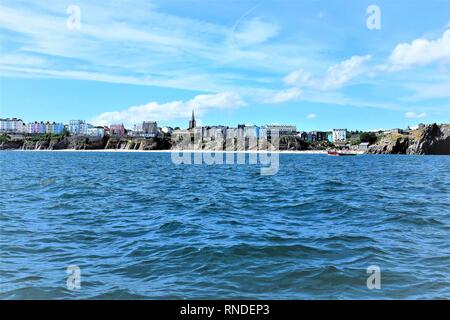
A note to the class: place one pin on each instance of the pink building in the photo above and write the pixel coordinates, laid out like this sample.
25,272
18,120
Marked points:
36,127
117,130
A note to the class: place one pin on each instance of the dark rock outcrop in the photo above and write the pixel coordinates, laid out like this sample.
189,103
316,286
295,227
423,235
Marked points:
11,145
292,143
84,143
136,144
433,139
59,144
430,139
390,145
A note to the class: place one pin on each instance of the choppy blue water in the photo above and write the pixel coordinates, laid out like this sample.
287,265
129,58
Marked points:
139,226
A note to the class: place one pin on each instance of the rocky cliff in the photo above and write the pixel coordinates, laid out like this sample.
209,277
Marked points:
85,143
284,143
46,143
390,144
73,143
138,144
430,139
11,145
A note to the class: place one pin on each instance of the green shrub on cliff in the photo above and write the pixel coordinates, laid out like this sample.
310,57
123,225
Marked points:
370,137
45,137
4,138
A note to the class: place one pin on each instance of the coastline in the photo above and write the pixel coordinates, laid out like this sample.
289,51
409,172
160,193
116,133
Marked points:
428,140
179,151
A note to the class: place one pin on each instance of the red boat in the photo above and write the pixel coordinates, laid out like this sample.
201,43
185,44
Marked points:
340,153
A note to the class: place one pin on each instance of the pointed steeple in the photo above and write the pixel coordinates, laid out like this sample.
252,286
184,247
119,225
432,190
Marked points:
192,123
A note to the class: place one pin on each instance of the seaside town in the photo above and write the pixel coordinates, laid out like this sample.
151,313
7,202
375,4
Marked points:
80,135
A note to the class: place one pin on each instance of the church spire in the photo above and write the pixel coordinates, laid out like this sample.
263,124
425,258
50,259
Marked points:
192,122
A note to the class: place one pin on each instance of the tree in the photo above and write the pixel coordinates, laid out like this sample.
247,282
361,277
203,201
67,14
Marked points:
370,137
65,132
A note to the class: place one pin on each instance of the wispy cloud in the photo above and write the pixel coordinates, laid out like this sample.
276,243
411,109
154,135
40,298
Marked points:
297,78
255,31
414,115
166,50
311,116
284,96
343,72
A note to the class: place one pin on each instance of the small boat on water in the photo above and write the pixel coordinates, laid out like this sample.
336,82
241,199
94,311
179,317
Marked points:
341,153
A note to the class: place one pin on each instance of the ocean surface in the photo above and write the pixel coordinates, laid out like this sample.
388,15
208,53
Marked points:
140,227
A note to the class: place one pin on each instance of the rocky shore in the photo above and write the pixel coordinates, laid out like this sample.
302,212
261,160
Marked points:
142,144
430,139
83,143
75,143
288,143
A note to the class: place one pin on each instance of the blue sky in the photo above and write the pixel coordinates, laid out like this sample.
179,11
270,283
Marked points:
314,64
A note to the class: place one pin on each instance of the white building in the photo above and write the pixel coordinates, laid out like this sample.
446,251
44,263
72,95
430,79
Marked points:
148,129
48,127
363,146
283,130
96,132
339,135
77,127
275,129
13,125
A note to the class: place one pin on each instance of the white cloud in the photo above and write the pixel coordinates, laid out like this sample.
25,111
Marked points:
170,110
297,77
223,100
414,115
335,77
341,73
284,95
420,52
255,31
312,116
167,50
